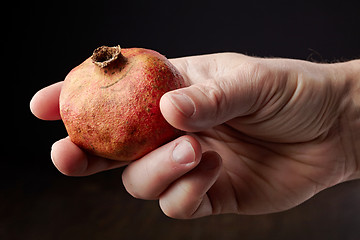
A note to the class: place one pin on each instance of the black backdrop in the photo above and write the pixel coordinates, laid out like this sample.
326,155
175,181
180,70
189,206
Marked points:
47,39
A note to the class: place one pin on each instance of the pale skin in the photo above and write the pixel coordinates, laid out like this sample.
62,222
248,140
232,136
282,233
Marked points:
263,135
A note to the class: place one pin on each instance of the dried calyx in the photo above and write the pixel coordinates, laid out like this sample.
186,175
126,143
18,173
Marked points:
103,56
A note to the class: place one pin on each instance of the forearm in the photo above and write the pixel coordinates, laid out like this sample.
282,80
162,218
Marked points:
355,76
348,74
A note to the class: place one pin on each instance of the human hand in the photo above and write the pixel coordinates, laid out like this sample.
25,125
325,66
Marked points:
285,130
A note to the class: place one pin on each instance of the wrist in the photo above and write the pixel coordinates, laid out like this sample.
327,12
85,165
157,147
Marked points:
347,77
355,77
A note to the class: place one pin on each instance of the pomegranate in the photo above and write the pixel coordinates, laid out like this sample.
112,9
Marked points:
110,103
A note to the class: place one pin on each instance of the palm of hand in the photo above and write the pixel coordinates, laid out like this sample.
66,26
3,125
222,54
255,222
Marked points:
272,162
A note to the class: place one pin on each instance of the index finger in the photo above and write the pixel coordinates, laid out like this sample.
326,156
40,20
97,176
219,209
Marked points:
45,103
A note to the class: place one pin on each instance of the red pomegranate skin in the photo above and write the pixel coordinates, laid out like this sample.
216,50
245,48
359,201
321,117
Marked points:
113,112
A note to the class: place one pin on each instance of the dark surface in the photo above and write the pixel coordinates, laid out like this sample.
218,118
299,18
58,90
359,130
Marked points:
46,40
98,207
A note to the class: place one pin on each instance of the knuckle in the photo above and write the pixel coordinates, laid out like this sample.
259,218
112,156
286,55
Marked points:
214,93
131,189
256,77
173,212
180,202
142,182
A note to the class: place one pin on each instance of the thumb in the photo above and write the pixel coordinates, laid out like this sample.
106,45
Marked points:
204,105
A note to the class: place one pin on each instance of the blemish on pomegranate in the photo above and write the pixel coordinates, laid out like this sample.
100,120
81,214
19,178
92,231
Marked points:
125,74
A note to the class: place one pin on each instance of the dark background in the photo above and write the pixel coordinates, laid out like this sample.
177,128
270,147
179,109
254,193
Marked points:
45,40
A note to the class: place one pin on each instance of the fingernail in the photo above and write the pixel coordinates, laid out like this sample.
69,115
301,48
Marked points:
184,153
183,103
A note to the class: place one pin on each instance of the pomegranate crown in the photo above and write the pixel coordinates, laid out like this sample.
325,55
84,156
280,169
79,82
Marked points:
104,55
